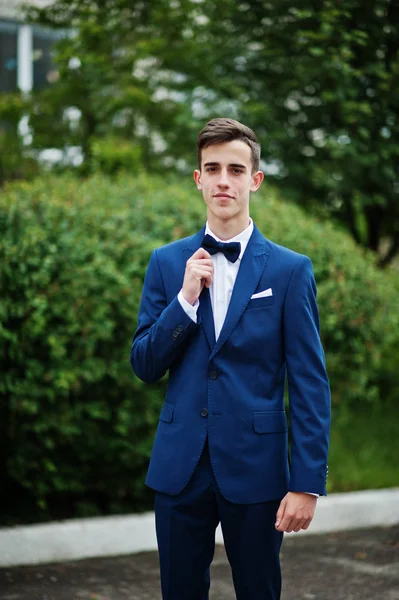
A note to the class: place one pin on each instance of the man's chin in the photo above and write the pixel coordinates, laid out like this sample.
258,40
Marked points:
224,213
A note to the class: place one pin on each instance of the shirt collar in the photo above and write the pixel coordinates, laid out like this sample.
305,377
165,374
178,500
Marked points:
242,237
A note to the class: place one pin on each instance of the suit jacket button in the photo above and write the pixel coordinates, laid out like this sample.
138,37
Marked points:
213,374
204,412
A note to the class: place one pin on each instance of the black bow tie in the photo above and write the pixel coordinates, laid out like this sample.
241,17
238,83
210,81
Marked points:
231,250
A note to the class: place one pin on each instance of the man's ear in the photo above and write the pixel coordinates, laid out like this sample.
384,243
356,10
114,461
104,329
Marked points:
197,178
257,179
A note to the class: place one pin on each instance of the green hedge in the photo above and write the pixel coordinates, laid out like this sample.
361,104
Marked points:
76,426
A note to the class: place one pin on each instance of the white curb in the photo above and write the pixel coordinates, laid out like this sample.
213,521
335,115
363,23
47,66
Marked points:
117,535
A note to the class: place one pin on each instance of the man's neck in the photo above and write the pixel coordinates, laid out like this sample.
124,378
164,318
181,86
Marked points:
226,230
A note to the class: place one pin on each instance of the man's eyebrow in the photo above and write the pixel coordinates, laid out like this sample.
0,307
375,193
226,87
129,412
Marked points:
216,164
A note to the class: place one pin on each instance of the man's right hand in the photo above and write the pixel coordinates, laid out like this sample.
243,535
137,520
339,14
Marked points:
199,272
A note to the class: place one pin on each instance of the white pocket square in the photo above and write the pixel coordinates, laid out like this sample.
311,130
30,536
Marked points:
263,294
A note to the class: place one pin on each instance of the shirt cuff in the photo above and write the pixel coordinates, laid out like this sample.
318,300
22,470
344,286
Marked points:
189,309
312,494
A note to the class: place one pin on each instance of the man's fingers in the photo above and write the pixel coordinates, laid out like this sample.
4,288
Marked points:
295,512
200,253
289,521
289,524
280,513
199,262
203,274
306,524
285,524
300,525
199,272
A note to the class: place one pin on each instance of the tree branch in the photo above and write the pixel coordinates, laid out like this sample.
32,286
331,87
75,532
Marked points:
350,219
391,253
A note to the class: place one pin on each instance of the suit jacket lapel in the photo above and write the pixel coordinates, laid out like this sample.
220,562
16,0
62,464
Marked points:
252,266
205,307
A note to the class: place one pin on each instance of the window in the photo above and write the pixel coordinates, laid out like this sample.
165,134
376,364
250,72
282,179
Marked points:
26,56
44,71
8,56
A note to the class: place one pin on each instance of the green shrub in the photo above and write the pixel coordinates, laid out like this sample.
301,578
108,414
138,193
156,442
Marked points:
76,426
112,154
15,159
359,312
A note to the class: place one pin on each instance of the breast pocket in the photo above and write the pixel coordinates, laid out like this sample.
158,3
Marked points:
260,302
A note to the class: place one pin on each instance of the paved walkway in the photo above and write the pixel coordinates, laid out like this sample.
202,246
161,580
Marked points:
356,565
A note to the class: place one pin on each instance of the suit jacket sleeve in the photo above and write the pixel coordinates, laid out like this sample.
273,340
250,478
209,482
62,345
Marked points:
309,392
162,328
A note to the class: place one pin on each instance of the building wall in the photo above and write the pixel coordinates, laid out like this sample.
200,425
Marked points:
25,50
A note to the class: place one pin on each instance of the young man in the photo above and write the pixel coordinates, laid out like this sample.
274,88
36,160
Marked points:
228,313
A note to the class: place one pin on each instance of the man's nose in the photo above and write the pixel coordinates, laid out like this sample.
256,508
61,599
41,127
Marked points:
223,179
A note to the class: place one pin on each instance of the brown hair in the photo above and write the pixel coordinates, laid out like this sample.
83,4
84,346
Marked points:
222,130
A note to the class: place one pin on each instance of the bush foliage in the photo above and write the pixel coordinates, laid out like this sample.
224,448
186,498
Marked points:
76,426
317,81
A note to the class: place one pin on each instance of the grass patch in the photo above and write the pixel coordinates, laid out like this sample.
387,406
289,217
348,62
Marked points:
364,450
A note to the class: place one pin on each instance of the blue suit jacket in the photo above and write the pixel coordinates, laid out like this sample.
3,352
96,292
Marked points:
232,389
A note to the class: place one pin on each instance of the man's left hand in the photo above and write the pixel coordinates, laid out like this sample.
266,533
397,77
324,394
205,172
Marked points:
295,512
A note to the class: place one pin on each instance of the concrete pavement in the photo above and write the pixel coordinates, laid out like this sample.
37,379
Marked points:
116,535
350,565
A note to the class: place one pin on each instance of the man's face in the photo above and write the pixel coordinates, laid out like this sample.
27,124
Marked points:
226,180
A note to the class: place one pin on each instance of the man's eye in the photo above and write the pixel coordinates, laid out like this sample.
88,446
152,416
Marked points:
237,171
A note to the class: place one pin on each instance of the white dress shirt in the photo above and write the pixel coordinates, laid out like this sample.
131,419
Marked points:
224,278
221,288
